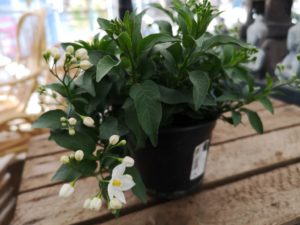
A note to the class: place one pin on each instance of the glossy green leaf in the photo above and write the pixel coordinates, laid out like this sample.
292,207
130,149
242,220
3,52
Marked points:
267,104
139,189
201,83
104,66
50,119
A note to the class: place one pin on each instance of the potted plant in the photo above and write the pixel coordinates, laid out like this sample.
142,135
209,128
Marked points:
161,92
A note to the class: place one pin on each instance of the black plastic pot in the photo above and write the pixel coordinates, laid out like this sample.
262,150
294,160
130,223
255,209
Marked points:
176,166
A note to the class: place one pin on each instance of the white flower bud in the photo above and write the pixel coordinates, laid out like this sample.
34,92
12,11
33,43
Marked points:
85,64
66,190
79,154
63,119
114,139
115,204
71,132
96,203
64,159
128,161
70,49
88,121
81,54
72,121
72,155
87,204
55,53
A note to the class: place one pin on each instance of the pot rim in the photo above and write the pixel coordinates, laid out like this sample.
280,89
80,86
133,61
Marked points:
203,123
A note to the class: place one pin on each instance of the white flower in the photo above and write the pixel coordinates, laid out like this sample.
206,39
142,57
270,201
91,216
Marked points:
96,203
64,159
114,139
119,183
88,121
85,64
71,131
72,121
70,49
81,54
55,53
115,204
66,190
79,154
87,203
128,161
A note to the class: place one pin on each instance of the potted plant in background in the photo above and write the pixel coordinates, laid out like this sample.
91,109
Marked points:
162,93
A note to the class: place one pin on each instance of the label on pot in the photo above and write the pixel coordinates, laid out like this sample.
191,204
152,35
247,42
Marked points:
199,160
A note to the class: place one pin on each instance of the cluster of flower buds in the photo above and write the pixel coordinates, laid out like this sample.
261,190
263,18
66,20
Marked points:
77,155
118,183
69,124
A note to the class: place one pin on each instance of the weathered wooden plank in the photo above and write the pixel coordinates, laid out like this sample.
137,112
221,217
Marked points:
225,162
40,146
265,199
38,171
284,117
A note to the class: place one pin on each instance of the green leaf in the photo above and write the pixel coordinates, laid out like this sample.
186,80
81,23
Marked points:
125,42
267,104
254,120
78,141
166,11
151,40
104,66
57,87
236,118
139,189
201,83
66,173
50,119
104,24
149,111
111,126
173,96
86,81
217,40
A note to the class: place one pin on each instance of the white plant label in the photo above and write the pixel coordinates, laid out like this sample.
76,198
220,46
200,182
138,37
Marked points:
199,160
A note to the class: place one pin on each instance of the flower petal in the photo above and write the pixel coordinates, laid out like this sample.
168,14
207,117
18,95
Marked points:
118,171
120,196
126,183
110,190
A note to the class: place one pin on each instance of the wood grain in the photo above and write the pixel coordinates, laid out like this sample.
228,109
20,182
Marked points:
285,116
229,161
271,198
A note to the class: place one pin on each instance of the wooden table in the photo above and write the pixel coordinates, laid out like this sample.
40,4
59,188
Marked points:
250,180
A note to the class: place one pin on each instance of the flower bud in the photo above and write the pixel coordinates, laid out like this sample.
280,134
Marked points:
71,131
96,203
81,54
55,53
70,49
115,204
85,64
64,159
88,121
79,154
114,139
128,161
122,143
87,204
66,190
72,155
63,119
72,121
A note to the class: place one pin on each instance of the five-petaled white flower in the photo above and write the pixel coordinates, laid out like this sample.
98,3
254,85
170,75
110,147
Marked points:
88,121
119,183
66,190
